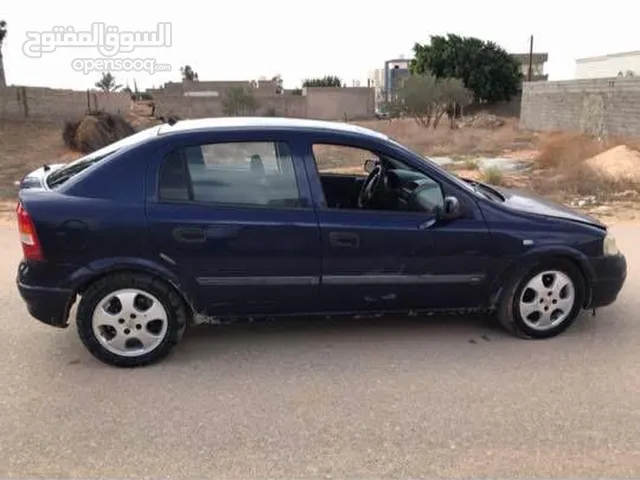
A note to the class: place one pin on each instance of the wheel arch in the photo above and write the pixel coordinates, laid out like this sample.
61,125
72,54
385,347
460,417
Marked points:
88,276
521,264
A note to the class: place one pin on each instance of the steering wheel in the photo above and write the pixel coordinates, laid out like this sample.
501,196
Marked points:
370,186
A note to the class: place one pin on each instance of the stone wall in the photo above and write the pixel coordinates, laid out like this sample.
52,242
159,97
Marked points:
48,104
600,107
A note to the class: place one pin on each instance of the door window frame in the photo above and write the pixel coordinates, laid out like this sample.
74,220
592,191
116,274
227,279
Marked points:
198,139
321,203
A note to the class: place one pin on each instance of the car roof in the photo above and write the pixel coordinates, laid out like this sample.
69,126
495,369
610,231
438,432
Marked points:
266,122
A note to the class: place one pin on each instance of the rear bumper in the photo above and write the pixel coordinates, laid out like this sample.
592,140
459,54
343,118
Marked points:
47,304
610,275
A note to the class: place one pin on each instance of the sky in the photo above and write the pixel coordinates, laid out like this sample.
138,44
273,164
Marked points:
249,39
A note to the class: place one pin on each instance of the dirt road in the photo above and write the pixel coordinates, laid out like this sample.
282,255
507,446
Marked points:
385,398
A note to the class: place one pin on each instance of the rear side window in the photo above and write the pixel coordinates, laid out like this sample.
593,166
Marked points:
240,173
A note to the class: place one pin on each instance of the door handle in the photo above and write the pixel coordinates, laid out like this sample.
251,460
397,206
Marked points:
339,239
189,235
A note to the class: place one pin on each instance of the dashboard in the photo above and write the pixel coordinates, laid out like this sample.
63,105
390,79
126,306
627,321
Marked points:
414,190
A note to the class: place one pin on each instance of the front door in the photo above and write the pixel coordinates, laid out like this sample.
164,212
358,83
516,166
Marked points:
229,214
390,259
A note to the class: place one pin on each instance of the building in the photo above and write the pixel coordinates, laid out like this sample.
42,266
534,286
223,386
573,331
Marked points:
386,80
537,65
625,64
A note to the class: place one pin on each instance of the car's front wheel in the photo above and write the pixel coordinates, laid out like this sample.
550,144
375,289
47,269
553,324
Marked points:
129,320
544,301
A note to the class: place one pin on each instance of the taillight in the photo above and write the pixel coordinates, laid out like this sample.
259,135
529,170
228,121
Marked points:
28,236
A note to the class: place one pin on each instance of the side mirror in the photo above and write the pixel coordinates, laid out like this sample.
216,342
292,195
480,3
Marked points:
451,209
369,165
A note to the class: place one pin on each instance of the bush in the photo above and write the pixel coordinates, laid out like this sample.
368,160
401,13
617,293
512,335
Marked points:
568,150
492,176
69,133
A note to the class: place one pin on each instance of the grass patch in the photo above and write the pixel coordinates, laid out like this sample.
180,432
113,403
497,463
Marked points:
470,165
493,176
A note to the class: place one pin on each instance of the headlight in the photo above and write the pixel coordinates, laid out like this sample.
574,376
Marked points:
609,246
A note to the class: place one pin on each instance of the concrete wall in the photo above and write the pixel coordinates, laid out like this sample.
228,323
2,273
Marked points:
49,104
325,103
317,102
55,105
200,107
598,107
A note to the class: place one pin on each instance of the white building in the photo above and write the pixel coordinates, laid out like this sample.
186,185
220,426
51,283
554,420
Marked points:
626,64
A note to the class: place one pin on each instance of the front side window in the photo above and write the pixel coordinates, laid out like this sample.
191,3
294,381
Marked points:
393,186
240,173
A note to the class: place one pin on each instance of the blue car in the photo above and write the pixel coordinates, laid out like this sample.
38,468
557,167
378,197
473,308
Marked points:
241,217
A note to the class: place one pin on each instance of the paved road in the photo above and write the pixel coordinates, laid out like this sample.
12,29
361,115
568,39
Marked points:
388,398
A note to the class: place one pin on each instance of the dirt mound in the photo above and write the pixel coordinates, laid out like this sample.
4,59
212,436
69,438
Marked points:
95,131
619,164
482,120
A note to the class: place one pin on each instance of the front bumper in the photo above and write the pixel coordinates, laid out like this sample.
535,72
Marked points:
610,274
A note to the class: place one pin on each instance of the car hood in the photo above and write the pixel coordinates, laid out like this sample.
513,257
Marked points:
36,178
526,202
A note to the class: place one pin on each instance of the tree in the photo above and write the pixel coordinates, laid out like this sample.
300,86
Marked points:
427,98
3,34
326,81
238,101
454,96
107,83
188,74
485,68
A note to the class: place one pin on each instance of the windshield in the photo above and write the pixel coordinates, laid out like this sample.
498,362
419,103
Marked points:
63,174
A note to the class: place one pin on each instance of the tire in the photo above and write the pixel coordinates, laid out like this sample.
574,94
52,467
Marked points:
542,319
131,320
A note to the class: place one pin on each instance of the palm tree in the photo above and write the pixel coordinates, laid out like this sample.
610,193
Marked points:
107,83
3,34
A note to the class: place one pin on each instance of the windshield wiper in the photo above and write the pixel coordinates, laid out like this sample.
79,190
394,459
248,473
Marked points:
479,188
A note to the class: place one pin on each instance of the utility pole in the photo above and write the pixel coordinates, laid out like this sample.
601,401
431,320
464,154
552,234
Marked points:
530,59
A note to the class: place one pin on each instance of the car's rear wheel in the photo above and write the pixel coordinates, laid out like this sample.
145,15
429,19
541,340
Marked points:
544,301
130,320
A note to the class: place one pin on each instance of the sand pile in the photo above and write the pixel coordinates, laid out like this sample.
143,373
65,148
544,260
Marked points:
619,163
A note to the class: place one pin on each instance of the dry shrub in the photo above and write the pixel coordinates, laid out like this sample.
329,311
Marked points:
492,176
568,149
95,131
579,181
69,133
562,157
462,141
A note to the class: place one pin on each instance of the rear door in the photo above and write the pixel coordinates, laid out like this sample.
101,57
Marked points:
232,213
